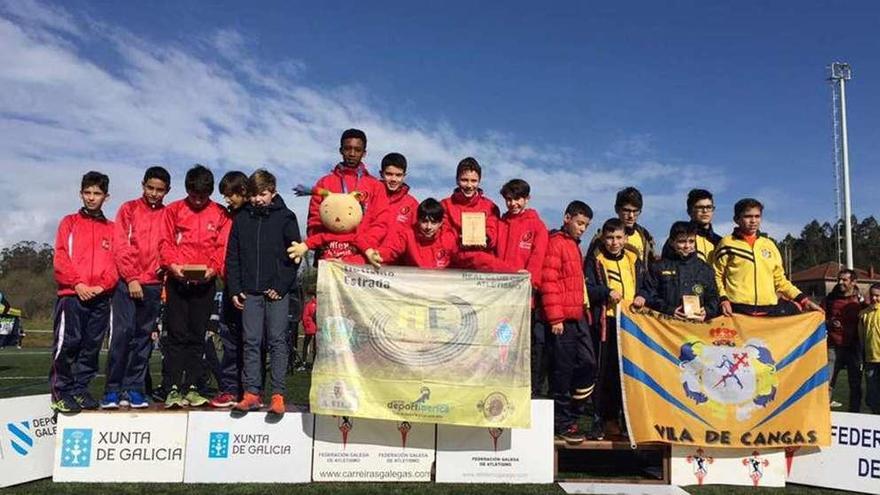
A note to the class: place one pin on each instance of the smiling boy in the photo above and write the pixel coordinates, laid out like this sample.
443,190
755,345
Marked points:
138,295
748,269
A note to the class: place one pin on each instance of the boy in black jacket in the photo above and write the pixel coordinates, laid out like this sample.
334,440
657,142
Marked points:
260,278
680,272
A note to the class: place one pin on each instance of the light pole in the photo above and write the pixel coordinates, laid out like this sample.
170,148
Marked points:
840,73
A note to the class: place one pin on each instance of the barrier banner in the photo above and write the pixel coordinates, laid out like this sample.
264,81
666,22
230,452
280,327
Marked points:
743,382
716,466
255,448
436,346
498,455
355,449
852,462
121,446
27,439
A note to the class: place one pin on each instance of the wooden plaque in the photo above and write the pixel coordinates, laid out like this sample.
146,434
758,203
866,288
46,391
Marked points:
691,307
194,272
473,229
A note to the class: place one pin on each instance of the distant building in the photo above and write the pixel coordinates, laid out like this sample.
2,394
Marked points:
818,281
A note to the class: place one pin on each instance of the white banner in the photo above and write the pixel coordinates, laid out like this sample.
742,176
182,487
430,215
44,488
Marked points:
27,439
120,446
255,448
716,466
498,455
851,463
356,449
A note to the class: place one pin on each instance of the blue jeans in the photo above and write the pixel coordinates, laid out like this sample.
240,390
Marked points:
872,379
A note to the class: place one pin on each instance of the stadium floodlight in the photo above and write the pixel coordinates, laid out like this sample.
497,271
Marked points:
840,73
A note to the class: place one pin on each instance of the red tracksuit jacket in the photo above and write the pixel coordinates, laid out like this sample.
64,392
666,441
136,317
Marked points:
403,206
310,327
522,242
192,237
84,254
454,205
409,248
562,279
376,221
138,228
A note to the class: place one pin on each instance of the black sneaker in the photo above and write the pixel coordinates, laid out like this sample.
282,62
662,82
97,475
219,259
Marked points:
597,430
66,404
86,401
571,435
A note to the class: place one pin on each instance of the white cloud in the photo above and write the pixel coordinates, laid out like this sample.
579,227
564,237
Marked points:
63,112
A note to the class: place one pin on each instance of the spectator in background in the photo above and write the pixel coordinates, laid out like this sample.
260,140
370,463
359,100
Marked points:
842,307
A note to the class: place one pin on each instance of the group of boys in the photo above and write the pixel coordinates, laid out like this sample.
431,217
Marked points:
575,297
118,275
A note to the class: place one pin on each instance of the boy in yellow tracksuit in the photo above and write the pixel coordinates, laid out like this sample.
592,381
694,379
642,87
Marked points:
614,274
869,335
748,269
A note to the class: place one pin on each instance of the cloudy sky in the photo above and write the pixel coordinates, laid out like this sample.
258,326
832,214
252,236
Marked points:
578,98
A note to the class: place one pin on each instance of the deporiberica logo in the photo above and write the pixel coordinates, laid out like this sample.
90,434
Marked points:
724,375
419,408
495,407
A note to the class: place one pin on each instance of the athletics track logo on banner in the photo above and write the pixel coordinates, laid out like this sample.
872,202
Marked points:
729,382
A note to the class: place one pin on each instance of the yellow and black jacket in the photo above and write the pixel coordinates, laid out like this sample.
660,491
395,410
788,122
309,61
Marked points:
707,239
751,274
606,272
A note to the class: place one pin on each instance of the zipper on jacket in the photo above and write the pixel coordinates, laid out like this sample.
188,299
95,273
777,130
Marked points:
755,271
92,268
622,285
257,275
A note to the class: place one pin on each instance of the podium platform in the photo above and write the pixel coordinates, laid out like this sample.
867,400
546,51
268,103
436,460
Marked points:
612,461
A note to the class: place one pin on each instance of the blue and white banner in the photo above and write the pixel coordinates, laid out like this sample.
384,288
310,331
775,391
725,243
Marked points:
27,439
255,448
121,446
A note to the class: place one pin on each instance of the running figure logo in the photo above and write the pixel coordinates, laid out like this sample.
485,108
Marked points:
700,461
731,368
756,465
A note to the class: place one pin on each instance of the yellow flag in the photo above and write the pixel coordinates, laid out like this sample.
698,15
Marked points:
729,382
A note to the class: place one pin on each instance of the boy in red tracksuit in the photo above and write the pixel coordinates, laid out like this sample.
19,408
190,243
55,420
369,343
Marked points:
522,243
86,274
563,297
310,329
401,203
468,197
138,297
431,245
195,232
348,176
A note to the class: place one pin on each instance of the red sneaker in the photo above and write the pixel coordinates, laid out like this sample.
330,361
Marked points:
224,399
250,402
277,406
